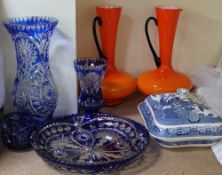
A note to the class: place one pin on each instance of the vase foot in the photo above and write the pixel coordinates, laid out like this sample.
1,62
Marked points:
158,81
113,102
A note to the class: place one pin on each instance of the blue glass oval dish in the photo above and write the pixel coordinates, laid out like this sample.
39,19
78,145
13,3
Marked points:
99,143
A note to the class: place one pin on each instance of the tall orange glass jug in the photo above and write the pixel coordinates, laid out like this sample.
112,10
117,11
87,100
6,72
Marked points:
164,78
116,84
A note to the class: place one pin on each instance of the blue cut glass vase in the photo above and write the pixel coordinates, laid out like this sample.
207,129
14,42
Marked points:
90,72
34,91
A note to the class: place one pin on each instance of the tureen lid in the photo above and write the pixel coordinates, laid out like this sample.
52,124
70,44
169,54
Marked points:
181,109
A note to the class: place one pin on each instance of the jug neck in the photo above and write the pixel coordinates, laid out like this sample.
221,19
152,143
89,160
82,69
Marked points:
167,18
108,31
166,68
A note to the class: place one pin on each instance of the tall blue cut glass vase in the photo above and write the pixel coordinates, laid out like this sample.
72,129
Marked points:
34,91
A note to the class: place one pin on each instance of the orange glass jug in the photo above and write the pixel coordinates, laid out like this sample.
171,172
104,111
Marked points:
116,84
164,78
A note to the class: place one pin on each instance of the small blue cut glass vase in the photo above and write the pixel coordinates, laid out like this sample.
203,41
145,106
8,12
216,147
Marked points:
34,91
90,72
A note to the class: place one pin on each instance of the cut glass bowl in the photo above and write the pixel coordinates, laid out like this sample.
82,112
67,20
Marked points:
99,143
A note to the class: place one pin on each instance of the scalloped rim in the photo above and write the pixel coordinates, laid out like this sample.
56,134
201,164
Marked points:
16,22
102,65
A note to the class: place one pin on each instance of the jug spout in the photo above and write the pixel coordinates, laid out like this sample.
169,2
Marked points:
169,7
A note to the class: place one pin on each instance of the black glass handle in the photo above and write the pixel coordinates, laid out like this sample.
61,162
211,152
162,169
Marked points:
99,20
156,58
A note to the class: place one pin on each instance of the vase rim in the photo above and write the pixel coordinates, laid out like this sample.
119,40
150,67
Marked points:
31,21
168,7
90,58
108,7
85,63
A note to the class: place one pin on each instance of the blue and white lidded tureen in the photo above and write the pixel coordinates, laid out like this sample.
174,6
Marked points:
181,119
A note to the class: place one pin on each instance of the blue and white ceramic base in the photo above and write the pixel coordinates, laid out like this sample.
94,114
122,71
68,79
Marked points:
199,143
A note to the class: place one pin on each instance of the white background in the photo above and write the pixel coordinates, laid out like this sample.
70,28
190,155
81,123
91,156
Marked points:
62,48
